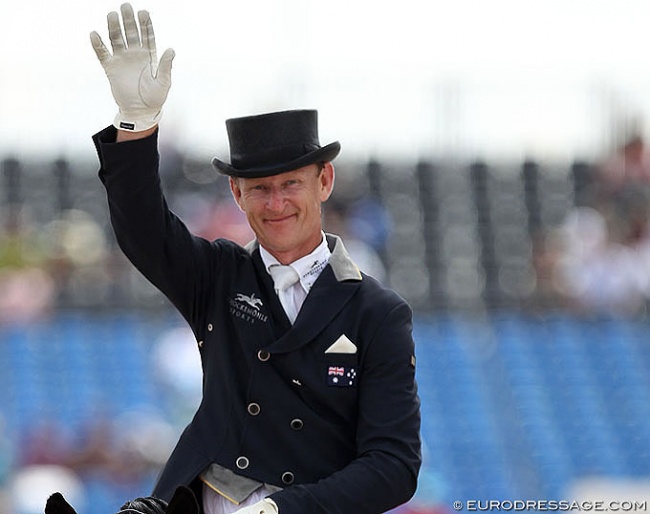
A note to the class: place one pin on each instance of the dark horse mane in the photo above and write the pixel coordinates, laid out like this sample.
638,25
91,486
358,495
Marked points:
148,505
183,502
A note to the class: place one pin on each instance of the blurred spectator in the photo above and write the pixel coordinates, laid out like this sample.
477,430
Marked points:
337,220
630,164
548,249
213,218
600,273
77,251
598,259
94,450
42,443
623,190
227,221
27,290
123,450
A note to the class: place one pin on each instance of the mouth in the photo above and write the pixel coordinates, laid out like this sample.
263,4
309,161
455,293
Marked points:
280,220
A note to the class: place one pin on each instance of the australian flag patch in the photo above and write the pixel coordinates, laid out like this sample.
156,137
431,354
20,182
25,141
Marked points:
341,376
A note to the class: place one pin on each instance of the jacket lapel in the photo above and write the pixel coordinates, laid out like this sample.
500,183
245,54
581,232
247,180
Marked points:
333,289
257,313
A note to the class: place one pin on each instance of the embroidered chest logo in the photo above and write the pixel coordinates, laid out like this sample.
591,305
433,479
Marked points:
247,308
255,303
341,376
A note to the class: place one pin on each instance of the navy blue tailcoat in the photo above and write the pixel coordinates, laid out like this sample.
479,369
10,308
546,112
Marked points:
337,431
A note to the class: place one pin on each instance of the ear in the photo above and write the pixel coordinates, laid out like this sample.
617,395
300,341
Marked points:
183,502
236,191
56,504
326,179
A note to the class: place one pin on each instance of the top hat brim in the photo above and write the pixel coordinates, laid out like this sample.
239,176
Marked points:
324,154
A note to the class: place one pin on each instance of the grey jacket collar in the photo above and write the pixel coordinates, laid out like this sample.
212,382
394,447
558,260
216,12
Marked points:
342,264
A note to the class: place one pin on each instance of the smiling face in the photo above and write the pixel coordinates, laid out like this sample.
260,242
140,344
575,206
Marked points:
284,210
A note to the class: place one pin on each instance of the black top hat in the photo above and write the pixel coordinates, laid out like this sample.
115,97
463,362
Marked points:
269,144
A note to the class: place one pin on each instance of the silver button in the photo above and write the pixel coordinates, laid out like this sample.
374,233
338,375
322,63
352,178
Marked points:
297,424
210,327
242,462
287,477
254,408
263,355
200,344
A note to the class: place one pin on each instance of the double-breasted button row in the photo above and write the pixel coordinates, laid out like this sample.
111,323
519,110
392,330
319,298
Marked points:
254,409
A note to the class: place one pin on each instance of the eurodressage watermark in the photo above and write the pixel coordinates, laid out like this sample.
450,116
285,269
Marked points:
552,505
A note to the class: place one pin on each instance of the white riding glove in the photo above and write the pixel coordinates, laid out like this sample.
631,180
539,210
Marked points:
138,81
266,506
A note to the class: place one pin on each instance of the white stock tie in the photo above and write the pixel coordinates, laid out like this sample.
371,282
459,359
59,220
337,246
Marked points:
284,277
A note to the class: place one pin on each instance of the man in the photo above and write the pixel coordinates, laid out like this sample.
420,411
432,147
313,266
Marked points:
309,395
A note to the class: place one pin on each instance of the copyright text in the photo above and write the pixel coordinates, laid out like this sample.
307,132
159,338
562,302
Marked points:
552,505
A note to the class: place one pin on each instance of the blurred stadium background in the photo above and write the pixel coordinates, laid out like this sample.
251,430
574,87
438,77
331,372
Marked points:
497,178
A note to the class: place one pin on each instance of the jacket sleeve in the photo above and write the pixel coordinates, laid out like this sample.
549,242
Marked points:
150,235
384,473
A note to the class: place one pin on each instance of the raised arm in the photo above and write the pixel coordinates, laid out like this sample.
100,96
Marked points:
157,242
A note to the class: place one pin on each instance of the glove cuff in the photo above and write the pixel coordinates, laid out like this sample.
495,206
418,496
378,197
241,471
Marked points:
136,123
272,504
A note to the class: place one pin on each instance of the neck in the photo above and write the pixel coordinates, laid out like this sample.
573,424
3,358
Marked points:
289,256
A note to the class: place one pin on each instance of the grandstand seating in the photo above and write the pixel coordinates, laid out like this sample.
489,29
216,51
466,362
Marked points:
513,406
461,236
520,407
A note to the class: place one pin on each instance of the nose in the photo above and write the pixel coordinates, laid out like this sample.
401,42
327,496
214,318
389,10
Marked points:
275,200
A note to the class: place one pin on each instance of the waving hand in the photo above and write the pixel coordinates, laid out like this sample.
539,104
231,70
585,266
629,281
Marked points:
139,82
